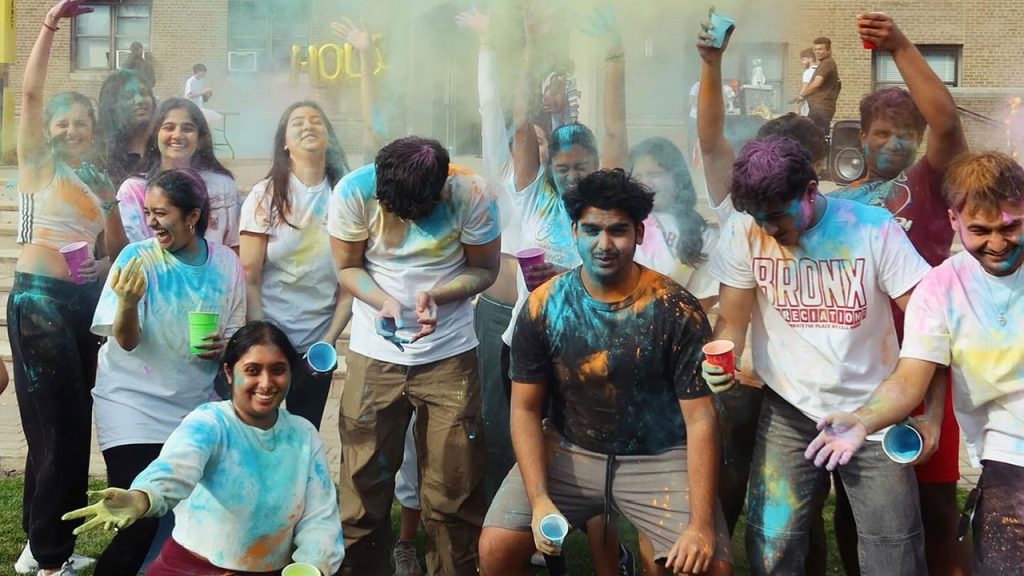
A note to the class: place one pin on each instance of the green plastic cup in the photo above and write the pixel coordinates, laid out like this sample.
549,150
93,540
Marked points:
300,569
201,325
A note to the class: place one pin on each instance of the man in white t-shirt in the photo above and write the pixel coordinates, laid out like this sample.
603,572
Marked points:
817,276
965,314
414,239
195,86
810,65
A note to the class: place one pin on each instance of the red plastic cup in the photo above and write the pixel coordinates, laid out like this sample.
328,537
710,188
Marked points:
868,44
720,353
74,254
528,258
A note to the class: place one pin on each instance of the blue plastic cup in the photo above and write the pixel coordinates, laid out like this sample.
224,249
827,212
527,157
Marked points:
902,443
720,26
554,527
321,358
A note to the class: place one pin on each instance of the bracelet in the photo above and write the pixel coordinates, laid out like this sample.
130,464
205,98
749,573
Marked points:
51,28
861,422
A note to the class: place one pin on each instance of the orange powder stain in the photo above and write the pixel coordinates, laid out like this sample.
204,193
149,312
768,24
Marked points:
264,547
595,366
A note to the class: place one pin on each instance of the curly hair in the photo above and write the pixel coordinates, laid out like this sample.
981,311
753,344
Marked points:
691,224
799,128
203,159
186,191
411,173
281,168
610,190
769,173
893,104
258,333
983,180
116,129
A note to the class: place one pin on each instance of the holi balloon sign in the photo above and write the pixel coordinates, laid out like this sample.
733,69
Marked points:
328,64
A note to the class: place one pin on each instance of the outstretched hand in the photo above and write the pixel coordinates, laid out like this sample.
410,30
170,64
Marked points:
98,182
708,35
129,283
68,9
475,20
358,36
840,436
118,509
602,26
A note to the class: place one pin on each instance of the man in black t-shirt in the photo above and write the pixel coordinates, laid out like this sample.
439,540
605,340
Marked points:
617,347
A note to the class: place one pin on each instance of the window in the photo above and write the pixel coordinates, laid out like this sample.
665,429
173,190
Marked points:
110,28
261,32
944,60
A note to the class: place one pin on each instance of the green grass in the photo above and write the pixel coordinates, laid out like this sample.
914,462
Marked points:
12,539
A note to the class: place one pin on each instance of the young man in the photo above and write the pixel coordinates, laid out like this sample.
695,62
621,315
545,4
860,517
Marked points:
823,91
893,123
817,275
965,314
414,240
195,86
620,347
810,65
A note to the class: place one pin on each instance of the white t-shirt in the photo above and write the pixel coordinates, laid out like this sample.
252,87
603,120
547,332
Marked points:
545,224
405,258
808,75
300,287
497,157
225,204
823,335
194,85
659,253
952,320
142,395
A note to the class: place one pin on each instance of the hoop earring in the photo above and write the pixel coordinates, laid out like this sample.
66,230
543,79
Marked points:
192,228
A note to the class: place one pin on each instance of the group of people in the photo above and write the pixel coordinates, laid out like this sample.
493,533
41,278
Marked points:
488,395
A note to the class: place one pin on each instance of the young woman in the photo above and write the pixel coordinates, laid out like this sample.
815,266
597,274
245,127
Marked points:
221,471
62,200
677,239
181,139
285,249
148,378
126,108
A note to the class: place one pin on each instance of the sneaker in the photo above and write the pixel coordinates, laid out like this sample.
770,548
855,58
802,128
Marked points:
627,566
66,570
404,557
27,564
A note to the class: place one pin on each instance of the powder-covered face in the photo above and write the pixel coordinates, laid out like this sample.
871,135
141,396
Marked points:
571,166
992,236
71,133
658,179
787,223
606,241
177,139
135,102
889,149
170,225
259,384
306,130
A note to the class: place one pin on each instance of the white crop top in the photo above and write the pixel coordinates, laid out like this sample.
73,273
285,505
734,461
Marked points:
64,211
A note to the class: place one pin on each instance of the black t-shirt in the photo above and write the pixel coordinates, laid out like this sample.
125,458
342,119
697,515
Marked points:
615,371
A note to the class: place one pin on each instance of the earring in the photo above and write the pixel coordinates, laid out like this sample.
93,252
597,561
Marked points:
192,228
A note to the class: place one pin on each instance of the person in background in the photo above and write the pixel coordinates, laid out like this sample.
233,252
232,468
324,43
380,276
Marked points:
181,140
286,251
195,86
143,66
823,90
221,471
126,108
149,378
810,66
63,198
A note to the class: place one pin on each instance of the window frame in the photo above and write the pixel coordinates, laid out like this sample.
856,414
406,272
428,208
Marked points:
112,36
955,50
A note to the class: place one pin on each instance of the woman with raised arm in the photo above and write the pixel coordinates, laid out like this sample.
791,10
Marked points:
65,203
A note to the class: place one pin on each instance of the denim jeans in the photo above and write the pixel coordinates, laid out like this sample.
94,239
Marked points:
787,491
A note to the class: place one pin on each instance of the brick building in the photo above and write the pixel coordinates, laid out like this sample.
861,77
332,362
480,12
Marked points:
429,84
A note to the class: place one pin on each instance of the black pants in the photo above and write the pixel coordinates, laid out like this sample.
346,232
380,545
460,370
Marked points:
308,393
48,323
822,120
490,319
127,551
999,519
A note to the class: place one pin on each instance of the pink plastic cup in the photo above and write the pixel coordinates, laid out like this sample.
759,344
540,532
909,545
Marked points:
720,353
528,258
74,254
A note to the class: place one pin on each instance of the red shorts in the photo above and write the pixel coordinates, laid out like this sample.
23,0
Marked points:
944,465
176,560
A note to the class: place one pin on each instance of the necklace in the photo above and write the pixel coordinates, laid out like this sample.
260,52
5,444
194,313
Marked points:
1001,318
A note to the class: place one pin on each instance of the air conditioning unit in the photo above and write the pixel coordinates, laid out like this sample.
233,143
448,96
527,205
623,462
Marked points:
247,61
121,58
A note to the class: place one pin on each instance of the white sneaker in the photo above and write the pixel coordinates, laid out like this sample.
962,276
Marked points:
66,570
27,564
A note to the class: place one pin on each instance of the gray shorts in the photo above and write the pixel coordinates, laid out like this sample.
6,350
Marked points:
652,492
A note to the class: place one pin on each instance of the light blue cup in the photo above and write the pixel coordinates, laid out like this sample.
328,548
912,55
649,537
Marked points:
720,26
321,358
554,527
902,443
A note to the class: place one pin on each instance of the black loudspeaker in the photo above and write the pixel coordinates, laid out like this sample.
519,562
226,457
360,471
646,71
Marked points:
845,157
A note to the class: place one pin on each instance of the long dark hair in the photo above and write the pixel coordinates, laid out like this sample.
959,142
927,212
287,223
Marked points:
203,159
563,139
256,333
115,130
280,169
690,248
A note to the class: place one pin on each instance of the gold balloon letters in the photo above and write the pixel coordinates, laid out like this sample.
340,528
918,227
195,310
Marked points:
329,64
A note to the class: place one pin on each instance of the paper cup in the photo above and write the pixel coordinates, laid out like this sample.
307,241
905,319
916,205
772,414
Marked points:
902,443
720,26
720,353
554,527
529,258
300,569
201,325
74,254
321,358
